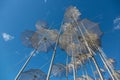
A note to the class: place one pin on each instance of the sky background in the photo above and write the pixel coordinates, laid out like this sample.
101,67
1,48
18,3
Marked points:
18,15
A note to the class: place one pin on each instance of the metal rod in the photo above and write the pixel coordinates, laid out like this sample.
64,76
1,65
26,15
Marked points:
98,69
53,56
29,58
67,68
106,66
74,70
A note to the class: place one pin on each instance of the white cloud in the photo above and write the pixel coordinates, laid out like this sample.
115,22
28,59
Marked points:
7,37
116,23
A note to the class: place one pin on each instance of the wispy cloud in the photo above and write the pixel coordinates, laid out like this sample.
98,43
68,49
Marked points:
116,23
7,37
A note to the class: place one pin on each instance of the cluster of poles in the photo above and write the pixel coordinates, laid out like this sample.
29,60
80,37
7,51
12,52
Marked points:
80,39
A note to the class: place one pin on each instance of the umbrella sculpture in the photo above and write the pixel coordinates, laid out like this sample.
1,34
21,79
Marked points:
41,25
33,74
71,12
35,40
46,39
80,25
26,38
58,70
69,35
80,39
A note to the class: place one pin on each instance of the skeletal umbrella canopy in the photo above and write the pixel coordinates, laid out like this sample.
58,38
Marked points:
91,32
93,41
80,60
33,74
67,37
111,62
73,49
44,40
71,14
69,67
59,70
72,65
41,25
26,38
91,27
68,27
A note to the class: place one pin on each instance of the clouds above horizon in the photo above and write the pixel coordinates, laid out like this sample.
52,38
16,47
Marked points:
7,37
116,23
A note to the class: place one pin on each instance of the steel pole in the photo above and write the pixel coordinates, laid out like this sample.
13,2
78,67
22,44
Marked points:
27,61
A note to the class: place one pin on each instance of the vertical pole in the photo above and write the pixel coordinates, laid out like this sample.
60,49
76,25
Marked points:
67,68
29,58
53,56
98,69
106,66
74,71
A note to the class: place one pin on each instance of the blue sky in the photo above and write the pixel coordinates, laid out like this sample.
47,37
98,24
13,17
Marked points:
19,15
